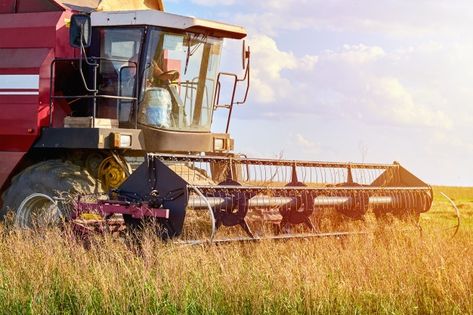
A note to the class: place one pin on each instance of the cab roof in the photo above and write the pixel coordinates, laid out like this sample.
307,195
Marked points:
168,20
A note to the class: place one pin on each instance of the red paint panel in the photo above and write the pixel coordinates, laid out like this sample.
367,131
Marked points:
21,58
13,100
30,20
31,30
19,71
25,6
28,44
24,37
63,48
17,143
7,6
18,120
37,6
8,162
35,30
19,91
44,90
22,115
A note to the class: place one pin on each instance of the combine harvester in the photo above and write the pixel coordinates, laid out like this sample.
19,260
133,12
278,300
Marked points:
86,88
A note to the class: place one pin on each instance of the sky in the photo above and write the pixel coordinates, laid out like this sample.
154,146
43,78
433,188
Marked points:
359,81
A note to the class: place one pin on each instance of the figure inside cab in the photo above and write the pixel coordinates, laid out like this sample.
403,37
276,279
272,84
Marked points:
161,101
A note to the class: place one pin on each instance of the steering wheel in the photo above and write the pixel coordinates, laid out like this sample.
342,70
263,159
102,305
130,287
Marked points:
170,75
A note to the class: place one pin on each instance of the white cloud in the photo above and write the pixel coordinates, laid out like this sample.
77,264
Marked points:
395,74
402,18
357,80
391,100
357,54
268,64
303,142
451,143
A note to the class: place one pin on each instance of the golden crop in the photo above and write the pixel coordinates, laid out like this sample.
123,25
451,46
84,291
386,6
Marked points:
387,272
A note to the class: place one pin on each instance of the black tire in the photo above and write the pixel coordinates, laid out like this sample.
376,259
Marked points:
33,194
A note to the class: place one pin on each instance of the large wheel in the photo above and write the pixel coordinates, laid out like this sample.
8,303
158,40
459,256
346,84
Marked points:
35,195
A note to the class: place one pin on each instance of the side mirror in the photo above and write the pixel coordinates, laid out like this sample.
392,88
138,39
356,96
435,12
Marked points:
80,31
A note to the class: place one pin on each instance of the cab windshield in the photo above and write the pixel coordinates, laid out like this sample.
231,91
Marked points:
179,81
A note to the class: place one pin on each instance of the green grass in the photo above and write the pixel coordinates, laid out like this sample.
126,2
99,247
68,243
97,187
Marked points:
442,212
386,273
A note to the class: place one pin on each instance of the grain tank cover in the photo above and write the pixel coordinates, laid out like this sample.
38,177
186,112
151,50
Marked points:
120,5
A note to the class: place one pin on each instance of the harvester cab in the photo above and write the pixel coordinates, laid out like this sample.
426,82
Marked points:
154,72
141,87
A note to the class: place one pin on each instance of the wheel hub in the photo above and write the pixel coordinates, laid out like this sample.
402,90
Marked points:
38,211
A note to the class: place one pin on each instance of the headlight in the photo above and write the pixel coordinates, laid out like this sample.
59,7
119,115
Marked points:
121,140
219,144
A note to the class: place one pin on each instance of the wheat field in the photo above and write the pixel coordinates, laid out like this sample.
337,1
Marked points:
388,272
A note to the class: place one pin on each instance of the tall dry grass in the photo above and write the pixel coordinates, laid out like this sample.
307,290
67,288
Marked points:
388,272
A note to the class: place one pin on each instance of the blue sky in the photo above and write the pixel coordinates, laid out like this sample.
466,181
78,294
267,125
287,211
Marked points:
373,81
